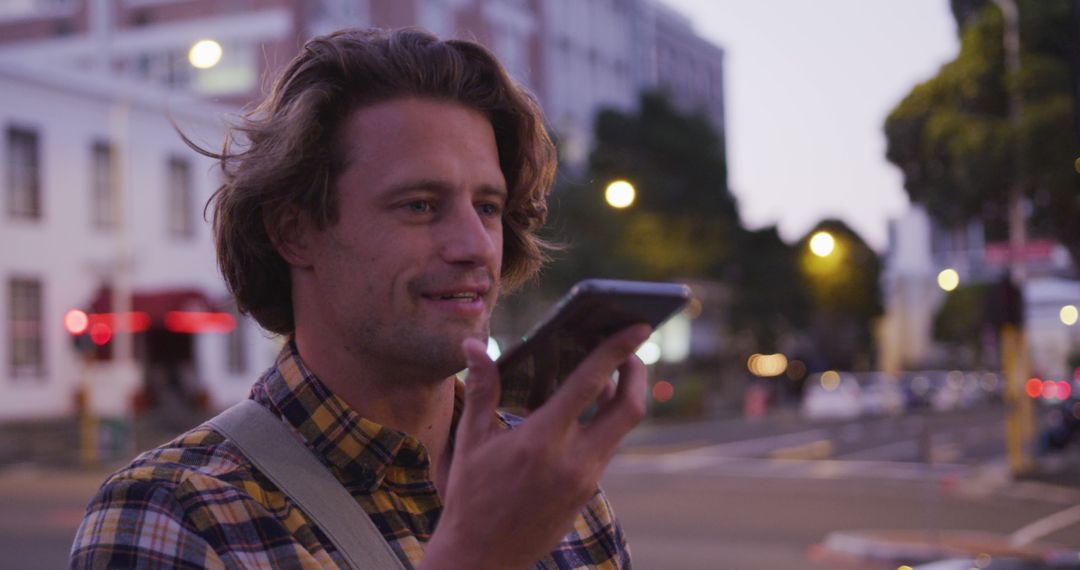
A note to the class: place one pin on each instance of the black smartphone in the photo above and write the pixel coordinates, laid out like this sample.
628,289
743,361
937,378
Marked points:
593,310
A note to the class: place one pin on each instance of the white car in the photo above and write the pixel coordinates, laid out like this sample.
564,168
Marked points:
832,396
882,398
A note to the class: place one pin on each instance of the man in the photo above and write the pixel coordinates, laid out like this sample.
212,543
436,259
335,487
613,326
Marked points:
381,198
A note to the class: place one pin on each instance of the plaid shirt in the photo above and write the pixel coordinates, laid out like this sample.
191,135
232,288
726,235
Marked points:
196,502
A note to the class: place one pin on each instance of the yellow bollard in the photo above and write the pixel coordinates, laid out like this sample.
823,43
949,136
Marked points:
1019,408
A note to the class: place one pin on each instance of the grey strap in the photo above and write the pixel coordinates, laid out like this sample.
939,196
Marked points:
274,450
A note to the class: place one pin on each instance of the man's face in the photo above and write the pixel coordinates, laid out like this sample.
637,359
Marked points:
412,266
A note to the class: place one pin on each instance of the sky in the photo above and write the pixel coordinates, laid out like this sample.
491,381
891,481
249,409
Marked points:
808,86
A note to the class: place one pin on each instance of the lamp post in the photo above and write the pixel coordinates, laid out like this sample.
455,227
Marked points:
1019,420
109,393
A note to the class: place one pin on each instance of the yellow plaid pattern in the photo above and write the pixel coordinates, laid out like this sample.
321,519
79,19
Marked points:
196,502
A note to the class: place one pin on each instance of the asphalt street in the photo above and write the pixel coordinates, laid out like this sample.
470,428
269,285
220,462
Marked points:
770,494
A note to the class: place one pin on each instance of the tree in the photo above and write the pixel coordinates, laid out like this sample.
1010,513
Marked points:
963,318
771,297
845,295
953,141
683,222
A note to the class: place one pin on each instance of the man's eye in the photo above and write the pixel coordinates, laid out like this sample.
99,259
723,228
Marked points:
489,209
419,206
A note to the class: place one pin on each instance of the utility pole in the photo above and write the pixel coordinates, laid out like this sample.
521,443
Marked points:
1019,419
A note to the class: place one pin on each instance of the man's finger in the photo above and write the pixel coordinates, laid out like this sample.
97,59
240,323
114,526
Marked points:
481,394
587,382
625,409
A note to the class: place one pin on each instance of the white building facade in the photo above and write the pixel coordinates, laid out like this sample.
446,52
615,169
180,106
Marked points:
578,56
95,180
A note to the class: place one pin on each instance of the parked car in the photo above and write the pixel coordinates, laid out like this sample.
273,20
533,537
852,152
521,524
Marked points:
882,398
832,396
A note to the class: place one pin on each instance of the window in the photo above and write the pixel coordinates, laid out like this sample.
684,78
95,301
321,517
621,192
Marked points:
24,174
36,8
236,346
180,200
103,186
25,329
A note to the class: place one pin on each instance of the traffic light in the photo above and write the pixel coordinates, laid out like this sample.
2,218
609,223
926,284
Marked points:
1005,303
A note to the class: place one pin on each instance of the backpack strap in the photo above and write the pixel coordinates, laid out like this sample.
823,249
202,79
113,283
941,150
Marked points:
273,449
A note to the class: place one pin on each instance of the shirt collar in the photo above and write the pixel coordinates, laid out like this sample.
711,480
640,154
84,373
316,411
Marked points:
359,451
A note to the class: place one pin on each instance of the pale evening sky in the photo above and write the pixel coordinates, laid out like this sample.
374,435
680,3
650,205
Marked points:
808,86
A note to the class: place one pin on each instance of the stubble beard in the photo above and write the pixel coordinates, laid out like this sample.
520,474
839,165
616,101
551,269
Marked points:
418,351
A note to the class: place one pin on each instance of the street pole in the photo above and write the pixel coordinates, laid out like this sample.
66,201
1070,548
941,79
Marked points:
1019,419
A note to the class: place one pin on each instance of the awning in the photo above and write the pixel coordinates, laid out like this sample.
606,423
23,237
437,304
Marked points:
156,303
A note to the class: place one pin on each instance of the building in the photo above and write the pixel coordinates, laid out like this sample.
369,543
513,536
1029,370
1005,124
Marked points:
576,55
603,53
919,249
87,88
101,192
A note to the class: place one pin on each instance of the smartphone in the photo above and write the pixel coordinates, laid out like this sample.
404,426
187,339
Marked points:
593,310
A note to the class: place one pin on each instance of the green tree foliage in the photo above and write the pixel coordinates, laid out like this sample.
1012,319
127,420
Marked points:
962,317
953,140
845,295
684,224
771,293
684,220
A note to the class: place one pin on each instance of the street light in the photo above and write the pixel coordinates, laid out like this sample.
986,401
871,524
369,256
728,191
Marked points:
1019,419
204,54
125,373
948,279
822,244
620,194
1069,315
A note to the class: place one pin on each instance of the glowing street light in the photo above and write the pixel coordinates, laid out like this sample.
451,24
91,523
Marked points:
1069,315
948,279
205,54
620,194
822,244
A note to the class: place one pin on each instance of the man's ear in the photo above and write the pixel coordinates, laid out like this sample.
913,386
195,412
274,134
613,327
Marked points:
292,234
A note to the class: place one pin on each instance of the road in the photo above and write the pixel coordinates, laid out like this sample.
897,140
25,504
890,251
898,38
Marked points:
766,495
720,494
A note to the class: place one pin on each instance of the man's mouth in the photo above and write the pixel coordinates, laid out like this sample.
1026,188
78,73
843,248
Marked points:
465,297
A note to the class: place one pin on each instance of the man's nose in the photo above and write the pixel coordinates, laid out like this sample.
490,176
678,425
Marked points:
467,238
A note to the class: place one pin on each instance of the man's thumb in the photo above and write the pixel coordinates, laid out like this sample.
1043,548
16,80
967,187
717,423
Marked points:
481,392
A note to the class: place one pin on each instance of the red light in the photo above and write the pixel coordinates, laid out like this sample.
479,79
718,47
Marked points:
1049,389
1064,390
1033,387
100,333
193,322
76,322
127,322
663,391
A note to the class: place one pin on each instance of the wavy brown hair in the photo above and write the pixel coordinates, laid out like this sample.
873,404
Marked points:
285,155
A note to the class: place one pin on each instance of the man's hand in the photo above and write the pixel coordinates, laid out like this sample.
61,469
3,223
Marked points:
513,494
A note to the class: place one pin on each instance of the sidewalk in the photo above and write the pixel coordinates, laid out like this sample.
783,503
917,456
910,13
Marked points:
56,443
1060,469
